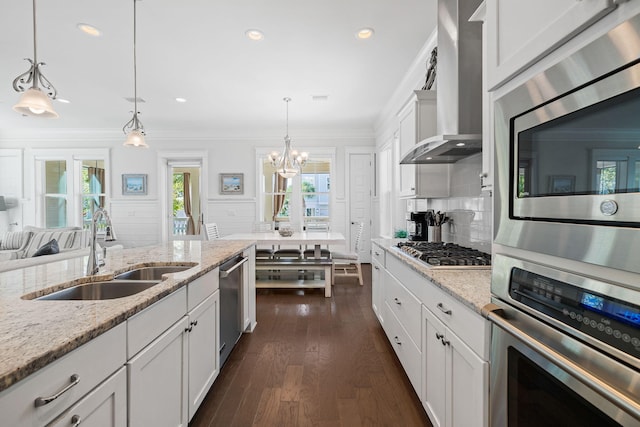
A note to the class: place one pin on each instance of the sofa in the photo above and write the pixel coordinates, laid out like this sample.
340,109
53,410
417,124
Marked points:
22,245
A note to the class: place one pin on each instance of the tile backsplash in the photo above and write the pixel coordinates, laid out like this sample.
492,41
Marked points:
469,209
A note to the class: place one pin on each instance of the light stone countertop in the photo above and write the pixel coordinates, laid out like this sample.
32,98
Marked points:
471,287
35,333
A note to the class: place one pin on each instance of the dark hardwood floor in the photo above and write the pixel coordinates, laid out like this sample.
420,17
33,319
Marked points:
313,361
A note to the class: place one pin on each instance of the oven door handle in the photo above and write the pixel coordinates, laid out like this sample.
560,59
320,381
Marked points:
493,313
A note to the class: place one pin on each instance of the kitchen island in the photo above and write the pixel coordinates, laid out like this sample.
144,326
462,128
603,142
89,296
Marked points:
35,332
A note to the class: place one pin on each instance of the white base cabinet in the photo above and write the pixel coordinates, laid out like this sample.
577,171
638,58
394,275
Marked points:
377,281
105,406
204,359
158,381
454,377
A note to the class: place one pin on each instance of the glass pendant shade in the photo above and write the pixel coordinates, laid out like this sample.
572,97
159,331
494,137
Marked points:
35,102
135,138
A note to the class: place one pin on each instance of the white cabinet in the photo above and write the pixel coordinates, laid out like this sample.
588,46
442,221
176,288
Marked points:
417,121
105,406
454,377
71,378
520,32
204,358
158,380
377,281
248,291
171,375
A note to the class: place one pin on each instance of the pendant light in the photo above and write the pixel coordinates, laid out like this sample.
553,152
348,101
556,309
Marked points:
134,128
35,102
290,162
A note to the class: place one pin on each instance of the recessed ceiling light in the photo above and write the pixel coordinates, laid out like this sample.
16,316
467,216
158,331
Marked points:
429,158
365,33
181,100
460,144
255,35
64,101
89,29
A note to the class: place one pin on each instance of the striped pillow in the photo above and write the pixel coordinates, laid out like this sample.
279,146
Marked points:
12,240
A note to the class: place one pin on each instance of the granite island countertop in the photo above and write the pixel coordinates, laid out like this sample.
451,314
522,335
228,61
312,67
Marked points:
471,287
35,333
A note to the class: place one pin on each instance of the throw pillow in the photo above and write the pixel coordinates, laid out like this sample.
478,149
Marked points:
11,240
49,248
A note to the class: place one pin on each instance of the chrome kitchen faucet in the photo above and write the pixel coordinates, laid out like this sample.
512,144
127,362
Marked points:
95,262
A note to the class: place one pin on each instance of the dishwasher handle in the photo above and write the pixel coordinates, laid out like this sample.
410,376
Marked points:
226,273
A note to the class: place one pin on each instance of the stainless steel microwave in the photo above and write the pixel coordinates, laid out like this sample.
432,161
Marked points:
567,156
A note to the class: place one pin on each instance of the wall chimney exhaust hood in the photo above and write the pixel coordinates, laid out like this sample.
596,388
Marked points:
459,88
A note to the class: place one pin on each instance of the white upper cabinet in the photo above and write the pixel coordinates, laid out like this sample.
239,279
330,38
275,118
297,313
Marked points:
520,32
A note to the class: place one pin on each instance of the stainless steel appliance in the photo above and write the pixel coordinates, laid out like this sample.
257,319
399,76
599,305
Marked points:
565,348
567,158
230,285
440,255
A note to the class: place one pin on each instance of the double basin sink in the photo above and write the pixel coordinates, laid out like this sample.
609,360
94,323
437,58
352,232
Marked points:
122,285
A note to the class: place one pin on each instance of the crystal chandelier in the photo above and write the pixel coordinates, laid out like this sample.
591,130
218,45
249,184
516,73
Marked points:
34,102
134,128
290,162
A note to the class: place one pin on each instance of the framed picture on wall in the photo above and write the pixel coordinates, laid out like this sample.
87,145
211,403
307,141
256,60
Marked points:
231,183
134,184
562,184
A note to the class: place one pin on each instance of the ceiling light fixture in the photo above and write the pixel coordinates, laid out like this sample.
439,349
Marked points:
181,100
35,102
290,162
89,29
365,33
255,35
134,128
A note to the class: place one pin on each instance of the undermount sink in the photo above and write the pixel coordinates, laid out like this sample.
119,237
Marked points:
110,289
151,273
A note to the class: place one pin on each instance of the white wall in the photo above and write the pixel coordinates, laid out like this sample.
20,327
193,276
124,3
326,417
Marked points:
137,219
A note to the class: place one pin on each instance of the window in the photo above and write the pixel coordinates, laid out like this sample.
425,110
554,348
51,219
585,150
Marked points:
70,186
304,199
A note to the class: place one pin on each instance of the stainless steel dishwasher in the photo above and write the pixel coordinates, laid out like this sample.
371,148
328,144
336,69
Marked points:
230,285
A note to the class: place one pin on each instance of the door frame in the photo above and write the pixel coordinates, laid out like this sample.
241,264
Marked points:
164,158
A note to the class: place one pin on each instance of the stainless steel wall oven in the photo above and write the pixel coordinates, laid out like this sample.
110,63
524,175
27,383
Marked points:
565,344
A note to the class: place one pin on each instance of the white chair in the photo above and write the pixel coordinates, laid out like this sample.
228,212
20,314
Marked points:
211,231
348,264
317,227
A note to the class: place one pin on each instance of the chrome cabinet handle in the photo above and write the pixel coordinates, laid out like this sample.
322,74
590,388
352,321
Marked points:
445,342
397,340
76,420
439,336
397,301
194,323
443,309
41,401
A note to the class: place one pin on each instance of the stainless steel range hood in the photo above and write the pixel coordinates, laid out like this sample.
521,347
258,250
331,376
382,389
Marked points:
459,86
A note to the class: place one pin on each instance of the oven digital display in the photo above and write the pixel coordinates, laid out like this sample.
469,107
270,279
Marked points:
610,320
612,309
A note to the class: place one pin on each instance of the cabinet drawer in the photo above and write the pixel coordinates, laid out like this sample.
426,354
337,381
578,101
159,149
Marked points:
202,287
408,353
145,326
405,306
472,328
378,254
92,362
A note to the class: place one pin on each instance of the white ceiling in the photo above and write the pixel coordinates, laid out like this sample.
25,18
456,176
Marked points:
196,49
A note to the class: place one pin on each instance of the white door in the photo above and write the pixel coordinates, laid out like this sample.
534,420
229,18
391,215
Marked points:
360,179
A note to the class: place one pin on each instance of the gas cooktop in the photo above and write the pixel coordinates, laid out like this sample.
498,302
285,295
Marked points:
446,255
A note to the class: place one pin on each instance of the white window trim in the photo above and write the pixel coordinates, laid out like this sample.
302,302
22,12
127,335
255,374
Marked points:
318,152
73,158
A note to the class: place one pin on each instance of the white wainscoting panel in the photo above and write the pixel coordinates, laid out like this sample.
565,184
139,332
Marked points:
136,222
232,216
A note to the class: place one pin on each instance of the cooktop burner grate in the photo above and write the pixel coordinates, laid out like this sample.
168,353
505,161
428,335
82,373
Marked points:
446,254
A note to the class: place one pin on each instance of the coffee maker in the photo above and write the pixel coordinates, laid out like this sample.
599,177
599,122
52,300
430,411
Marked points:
417,225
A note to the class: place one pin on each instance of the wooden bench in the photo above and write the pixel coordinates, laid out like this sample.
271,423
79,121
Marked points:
300,265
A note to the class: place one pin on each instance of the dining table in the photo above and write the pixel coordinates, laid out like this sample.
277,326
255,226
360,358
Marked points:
274,267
